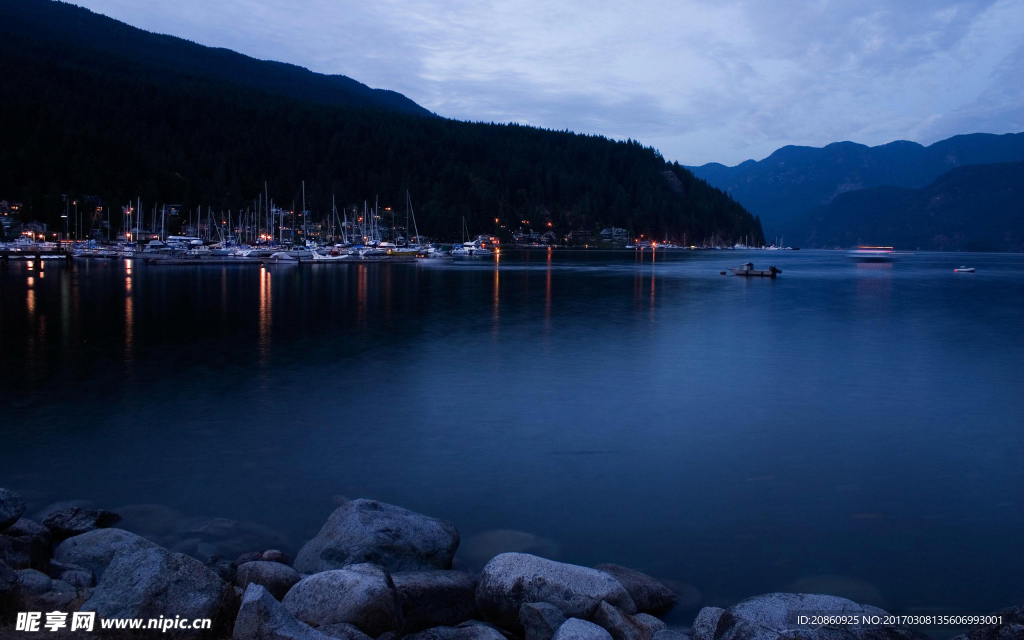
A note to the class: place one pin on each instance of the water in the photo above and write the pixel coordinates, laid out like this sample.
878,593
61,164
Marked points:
854,421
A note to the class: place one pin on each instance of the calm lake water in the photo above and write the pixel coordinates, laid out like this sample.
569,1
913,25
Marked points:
849,427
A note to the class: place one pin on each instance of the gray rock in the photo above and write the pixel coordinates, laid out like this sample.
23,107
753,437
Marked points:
435,598
73,521
480,623
649,622
95,549
222,567
511,579
540,620
771,610
12,506
274,577
347,631
620,625
71,573
649,595
25,528
362,595
32,581
706,622
261,617
474,632
576,629
369,531
154,582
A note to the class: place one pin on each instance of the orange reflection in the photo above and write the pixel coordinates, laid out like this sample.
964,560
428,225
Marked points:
266,310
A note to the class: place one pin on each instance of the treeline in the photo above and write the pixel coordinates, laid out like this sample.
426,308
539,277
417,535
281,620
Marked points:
78,121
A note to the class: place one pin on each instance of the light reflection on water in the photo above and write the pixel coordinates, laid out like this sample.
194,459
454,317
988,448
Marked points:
740,435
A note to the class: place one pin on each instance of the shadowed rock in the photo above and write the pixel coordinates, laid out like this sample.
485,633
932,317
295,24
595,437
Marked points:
649,622
392,537
261,617
620,625
95,550
540,620
12,507
274,577
649,595
362,595
73,521
347,631
473,632
25,545
512,579
706,622
435,598
576,629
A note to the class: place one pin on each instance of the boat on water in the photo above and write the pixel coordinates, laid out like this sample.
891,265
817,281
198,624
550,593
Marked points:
964,269
471,249
748,270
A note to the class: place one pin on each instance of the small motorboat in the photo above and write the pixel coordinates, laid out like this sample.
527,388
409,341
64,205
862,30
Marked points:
964,269
748,270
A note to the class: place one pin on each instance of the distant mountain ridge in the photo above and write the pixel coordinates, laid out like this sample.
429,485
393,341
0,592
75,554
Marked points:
794,179
969,208
55,25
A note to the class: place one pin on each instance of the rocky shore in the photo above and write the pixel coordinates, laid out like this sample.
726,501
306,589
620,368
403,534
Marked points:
374,571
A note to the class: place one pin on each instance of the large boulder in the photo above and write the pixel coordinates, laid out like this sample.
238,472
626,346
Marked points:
540,620
511,579
154,582
649,595
576,629
261,617
392,537
435,598
73,521
12,507
275,577
467,632
361,594
769,617
706,623
94,550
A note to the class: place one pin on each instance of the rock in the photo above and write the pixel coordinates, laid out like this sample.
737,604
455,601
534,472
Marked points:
392,537
540,620
512,579
474,632
360,594
25,528
479,549
248,556
25,545
435,598
32,581
576,629
222,567
95,549
1011,627
71,573
649,622
261,617
153,582
16,552
620,625
671,634
57,506
706,622
73,521
480,623
274,577
12,506
346,631
649,595
275,555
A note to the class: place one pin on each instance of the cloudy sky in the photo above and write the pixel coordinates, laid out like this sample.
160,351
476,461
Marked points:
702,81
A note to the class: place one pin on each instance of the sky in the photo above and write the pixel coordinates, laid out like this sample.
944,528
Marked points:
701,81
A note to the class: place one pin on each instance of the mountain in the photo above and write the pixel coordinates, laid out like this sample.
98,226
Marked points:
794,179
97,107
970,208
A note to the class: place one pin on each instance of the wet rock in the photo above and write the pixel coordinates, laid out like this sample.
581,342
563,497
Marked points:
479,549
12,506
435,598
1010,628
620,625
346,631
649,622
361,594
511,579
649,595
540,620
706,622
275,577
261,617
392,537
154,582
474,632
576,629
95,549
73,521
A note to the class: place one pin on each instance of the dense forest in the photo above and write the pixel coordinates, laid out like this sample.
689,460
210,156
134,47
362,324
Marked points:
118,123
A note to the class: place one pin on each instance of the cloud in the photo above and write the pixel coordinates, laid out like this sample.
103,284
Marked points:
699,80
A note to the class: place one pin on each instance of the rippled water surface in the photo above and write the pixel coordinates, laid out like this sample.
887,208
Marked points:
856,428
